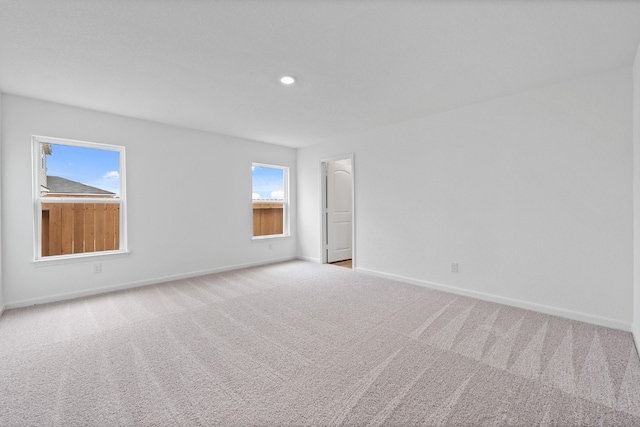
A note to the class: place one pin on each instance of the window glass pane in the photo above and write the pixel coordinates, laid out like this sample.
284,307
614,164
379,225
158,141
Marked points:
75,228
269,200
268,183
67,176
91,167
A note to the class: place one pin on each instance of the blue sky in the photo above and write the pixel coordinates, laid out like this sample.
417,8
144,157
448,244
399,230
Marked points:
90,166
267,183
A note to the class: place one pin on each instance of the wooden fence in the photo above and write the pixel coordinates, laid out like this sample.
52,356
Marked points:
267,219
73,228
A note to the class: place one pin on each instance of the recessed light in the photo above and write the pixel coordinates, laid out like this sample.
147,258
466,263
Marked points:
287,80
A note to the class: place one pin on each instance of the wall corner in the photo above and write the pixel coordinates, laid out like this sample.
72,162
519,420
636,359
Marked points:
635,325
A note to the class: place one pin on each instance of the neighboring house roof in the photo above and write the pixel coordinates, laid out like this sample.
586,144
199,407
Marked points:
57,185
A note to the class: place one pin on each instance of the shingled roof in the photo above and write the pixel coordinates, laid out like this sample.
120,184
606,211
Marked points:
57,185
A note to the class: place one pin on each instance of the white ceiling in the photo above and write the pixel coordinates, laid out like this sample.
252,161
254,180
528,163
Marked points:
215,65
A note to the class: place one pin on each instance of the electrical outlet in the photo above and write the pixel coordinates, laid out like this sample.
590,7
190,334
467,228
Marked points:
97,268
454,267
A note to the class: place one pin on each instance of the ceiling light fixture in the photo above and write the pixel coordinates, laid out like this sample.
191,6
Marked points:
287,80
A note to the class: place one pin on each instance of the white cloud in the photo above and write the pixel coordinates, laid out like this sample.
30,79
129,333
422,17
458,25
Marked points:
278,194
111,175
255,196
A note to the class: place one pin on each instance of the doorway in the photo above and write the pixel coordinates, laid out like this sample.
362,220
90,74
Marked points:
338,211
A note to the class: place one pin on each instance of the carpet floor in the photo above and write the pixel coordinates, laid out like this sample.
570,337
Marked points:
297,344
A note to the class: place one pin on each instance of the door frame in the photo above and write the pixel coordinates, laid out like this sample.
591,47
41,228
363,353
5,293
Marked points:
323,206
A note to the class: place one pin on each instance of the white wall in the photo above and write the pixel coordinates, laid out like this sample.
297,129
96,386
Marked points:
189,204
636,197
531,194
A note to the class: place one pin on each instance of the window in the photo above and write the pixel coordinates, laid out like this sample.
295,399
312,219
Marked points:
79,197
270,195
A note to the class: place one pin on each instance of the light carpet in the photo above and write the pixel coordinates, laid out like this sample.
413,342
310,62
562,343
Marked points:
298,343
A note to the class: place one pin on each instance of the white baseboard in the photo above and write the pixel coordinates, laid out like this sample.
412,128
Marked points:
136,284
554,311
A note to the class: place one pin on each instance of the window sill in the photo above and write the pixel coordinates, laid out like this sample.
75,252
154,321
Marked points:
271,237
77,258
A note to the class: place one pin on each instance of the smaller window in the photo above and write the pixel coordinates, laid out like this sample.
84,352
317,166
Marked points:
270,196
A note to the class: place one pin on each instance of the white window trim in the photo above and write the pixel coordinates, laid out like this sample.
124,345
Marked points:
286,203
37,202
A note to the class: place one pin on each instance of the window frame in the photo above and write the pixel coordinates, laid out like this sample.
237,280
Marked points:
285,202
38,199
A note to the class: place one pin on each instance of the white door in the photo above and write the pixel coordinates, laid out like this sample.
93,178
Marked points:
339,215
